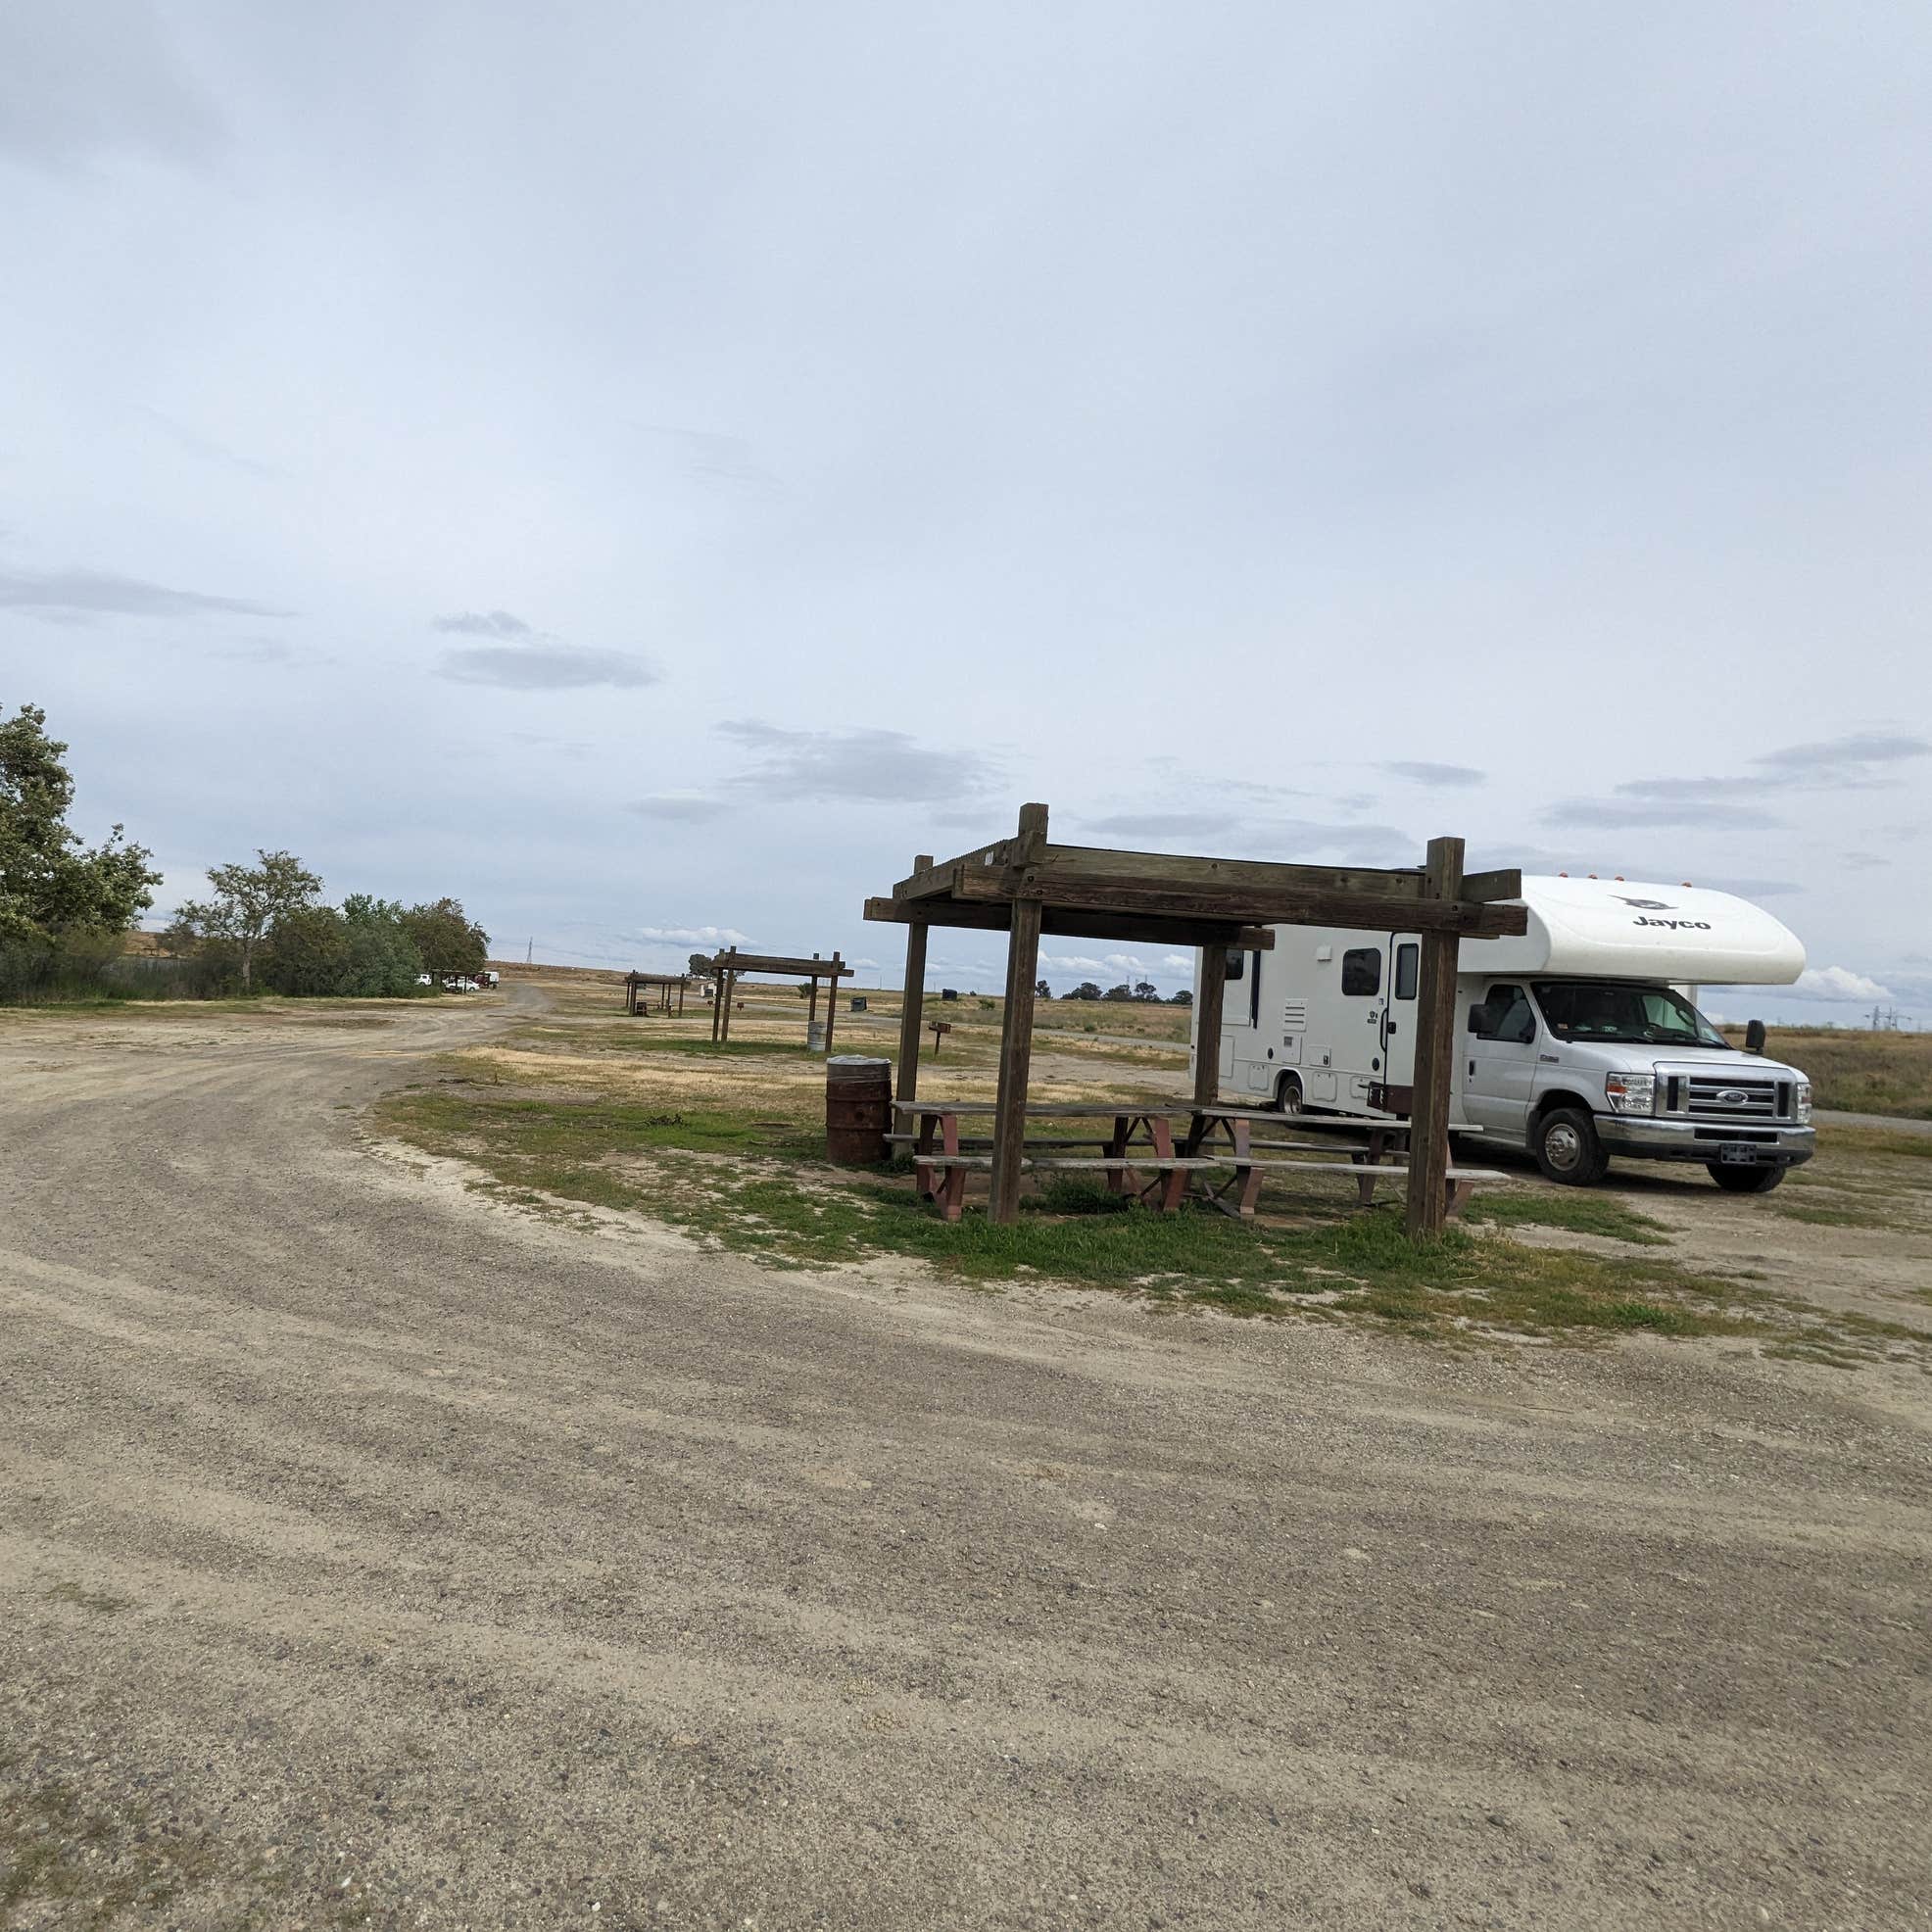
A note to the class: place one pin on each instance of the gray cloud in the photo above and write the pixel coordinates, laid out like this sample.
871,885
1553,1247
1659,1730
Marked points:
486,623
1862,861
545,667
676,806
79,82
858,764
1625,814
1849,760
85,594
206,448
1162,824
1419,771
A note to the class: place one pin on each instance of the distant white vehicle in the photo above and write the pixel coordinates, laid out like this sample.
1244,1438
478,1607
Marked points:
1575,1042
460,983
424,980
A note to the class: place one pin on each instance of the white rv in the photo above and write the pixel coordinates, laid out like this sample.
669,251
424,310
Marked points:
1579,1041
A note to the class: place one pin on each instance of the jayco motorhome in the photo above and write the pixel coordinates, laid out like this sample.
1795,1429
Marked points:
1576,1040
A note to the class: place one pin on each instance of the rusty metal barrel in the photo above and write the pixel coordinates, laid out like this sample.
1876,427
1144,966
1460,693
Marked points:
858,1108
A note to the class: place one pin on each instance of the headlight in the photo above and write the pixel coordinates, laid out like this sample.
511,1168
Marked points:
1804,1100
1630,1094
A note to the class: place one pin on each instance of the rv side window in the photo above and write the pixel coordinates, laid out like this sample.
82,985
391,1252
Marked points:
1361,970
1407,961
1505,1015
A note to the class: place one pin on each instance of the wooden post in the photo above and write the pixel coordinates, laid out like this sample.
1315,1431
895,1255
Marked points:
811,1011
831,1001
1209,1005
912,1011
1009,1121
1435,1052
717,1003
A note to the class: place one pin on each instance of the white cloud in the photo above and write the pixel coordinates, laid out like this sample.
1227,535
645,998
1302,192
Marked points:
1071,962
1177,962
1835,983
695,935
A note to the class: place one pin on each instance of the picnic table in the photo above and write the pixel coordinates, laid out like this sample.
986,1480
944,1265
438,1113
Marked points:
1139,1155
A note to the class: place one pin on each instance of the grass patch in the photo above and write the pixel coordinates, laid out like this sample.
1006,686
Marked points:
773,1198
1579,1213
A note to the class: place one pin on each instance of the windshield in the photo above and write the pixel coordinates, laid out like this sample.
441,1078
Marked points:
1596,1009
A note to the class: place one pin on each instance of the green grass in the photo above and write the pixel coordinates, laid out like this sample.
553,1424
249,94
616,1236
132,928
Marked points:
1579,1213
774,1199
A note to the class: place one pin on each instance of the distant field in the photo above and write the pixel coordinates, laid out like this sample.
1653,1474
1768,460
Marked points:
1861,1073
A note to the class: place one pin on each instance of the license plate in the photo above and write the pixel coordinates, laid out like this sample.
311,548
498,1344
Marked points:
1738,1153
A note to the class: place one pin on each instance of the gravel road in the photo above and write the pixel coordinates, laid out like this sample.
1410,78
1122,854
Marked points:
373,1554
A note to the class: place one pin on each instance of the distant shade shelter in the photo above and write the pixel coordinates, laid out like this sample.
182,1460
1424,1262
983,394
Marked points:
725,969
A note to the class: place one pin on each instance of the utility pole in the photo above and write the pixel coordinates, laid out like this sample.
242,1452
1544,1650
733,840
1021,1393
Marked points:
529,949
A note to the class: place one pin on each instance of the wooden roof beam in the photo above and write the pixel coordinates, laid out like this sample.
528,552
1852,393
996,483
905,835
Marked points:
1357,911
997,917
734,961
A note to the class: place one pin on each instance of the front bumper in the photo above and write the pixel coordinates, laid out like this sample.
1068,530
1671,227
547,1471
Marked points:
1639,1138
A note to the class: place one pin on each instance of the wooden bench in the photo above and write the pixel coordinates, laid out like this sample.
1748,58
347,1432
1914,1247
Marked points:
1169,1188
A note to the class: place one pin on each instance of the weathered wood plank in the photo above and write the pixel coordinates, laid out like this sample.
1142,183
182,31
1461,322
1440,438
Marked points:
1182,872
1435,1047
1505,883
912,1010
1358,912
1009,1131
739,963
1209,1005
996,916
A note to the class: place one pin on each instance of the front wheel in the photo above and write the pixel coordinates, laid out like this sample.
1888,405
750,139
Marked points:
1568,1149
1745,1179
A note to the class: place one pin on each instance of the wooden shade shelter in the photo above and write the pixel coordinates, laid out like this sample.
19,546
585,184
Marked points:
727,967
651,993
1026,886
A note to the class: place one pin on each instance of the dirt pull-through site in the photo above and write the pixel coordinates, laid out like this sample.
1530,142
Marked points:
375,1554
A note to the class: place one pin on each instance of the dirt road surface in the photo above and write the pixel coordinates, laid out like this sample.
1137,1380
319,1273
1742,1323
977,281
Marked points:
373,1554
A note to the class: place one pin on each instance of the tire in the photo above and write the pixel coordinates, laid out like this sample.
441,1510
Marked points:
1568,1151
1745,1179
1289,1097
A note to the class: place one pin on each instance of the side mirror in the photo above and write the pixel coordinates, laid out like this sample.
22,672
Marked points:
1753,1036
1476,1020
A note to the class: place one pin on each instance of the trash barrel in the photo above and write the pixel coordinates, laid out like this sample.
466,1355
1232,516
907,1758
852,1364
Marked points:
815,1037
858,1105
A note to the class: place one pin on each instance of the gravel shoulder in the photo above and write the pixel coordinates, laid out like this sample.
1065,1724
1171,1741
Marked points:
373,1553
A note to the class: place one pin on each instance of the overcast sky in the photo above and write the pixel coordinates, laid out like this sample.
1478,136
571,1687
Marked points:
648,470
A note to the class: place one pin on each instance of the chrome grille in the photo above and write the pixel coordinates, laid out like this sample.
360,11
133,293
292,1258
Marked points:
1707,1097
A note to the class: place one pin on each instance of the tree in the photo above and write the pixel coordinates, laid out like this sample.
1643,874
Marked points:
361,952
1117,992
1145,989
1185,997
51,886
449,945
1041,991
248,900
1086,990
